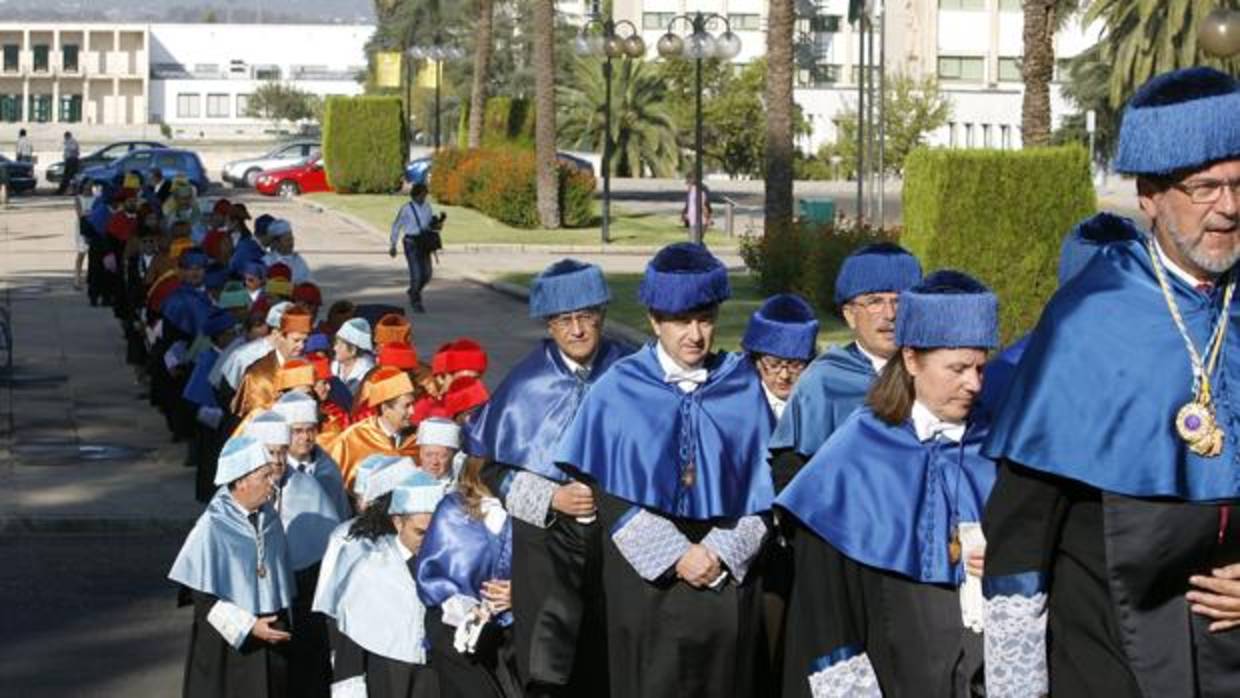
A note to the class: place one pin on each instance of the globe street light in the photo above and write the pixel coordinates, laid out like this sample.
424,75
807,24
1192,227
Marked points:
605,43
439,52
1219,33
699,45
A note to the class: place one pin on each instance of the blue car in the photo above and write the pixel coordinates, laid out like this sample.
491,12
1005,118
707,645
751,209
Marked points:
170,161
419,171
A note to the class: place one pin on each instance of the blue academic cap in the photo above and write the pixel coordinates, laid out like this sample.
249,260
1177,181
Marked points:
565,286
369,465
388,478
218,320
317,342
240,456
1088,237
256,269
948,309
683,276
1181,120
193,258
783,326
261,223
418,494
875,268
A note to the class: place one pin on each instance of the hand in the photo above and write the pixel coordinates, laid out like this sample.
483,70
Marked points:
392,251
498,595
698,566
1217,597
263,631
573,499
975,563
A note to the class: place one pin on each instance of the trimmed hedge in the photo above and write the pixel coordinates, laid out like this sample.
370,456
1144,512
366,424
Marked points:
999,215
502,183
364,144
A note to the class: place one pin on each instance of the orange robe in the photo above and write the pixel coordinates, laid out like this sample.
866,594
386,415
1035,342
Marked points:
334,422
362,439
258,389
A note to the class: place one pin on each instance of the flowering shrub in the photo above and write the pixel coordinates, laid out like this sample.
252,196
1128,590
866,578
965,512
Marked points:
502,183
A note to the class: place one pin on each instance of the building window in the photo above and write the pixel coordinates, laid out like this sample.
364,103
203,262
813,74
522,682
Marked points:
266,72
968,135
656,20
1010,6
41,54
871,79
973,5
10,108
11,51
986,142
1005,137
40,108
217,106
187,106
968,68
744,22
1009,70
71,108
243,105
206,68
69,55
819,76
951,134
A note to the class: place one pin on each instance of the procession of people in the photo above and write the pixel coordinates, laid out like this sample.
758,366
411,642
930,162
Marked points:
921,511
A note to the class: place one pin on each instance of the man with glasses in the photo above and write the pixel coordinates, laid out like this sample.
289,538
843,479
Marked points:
781,339
1112,538
833,385
555,578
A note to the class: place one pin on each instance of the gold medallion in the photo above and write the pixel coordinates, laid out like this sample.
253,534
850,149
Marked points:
688,476
1197,426
954,548
262,571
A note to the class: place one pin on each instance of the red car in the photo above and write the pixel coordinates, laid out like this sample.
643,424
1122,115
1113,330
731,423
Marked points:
305,178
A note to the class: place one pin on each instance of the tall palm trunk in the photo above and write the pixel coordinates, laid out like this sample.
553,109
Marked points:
483,38
1038,69
544,113
781,16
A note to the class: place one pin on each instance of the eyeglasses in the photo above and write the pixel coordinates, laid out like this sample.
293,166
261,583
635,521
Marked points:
775,365
877,304
565,321
1208,191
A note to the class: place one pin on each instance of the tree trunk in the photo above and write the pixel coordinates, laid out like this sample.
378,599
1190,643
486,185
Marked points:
1038,68
544,113
483,39
781,16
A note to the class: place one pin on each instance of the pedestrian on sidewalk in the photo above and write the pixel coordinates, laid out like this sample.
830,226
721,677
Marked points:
25,149
70,153
417,228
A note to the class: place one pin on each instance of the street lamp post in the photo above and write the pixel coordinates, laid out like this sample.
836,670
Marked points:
438,52
699,45
608,45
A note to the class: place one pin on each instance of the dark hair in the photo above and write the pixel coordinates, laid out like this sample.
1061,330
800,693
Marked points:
661,316
374,521
892,395
21,132
417,190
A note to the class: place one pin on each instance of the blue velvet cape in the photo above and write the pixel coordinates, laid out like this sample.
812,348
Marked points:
884,499
220,557
460,553
522,422
832,387
187,309
198,389
635,434
1000,370
308,515
1096,393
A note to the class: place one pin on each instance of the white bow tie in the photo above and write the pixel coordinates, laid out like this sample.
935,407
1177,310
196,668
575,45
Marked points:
949,431
697,375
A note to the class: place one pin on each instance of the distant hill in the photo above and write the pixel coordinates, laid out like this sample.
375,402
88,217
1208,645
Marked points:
240,11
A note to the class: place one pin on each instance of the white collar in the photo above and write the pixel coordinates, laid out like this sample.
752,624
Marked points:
929,426
298,463
1179,271
383,426
404,552
493,514
573,366
877,362
776,403
687,379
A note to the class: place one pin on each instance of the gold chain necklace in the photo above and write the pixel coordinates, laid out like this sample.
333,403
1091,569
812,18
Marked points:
1195,422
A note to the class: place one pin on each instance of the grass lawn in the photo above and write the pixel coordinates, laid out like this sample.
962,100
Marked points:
735,313
467,226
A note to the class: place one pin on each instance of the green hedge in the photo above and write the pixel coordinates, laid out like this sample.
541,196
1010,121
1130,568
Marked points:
506,121
999,215
502,183
364,144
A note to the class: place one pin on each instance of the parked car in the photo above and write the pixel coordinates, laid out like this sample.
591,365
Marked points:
306,178
103,156
418,171
245,172
18,175
171,161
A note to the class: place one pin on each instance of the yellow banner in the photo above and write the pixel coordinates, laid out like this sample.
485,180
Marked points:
387,69
427,74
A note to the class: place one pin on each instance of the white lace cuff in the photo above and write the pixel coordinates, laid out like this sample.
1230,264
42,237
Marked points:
1016,645
232,622
354,687
529,498
739,545
457,609
650,543
843,674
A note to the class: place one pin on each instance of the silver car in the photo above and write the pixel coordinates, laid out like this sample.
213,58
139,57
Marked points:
245,172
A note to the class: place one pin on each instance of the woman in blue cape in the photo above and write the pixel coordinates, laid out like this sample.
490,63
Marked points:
235,567
464,574
883,519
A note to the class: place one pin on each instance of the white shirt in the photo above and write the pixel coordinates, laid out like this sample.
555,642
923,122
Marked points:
929,426
776,403
877,362
687,379
300,271
573,366
1179,271
411,220
404,552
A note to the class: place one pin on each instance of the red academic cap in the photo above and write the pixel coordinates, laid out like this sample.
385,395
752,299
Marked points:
461,355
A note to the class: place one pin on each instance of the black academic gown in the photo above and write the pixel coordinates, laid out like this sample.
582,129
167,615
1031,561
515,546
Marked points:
215,669
309,652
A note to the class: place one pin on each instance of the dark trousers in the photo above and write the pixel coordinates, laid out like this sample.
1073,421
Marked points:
419,269
66,178
99,286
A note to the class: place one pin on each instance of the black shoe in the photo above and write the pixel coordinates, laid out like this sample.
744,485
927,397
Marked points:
417,307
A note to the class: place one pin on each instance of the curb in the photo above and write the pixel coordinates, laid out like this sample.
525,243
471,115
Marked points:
613,329
45,525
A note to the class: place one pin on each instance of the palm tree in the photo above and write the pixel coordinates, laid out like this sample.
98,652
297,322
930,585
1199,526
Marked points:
643,133
1147,37
781,18
483,39
544,112
1042,19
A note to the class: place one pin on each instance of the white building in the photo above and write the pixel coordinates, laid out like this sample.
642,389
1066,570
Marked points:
973,47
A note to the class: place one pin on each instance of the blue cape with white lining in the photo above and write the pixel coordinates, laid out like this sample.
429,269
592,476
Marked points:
308,515
522,422
220,557
1095,396
198,389
187,309
327,474
883,498
832,387
460,553
636,435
